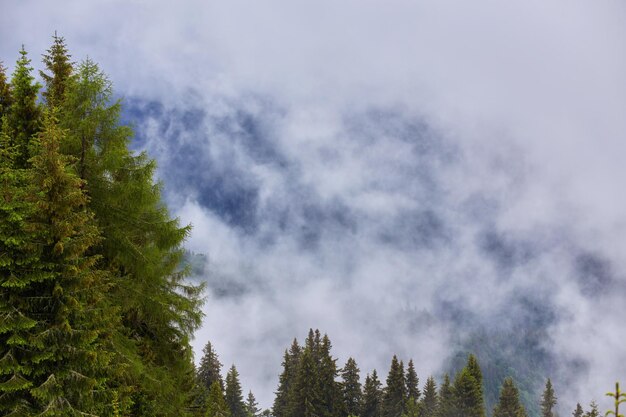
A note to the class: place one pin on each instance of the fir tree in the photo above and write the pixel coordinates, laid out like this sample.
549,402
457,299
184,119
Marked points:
5,92
24,112
578,412
372,396
233,395
351,387
548,400
216,404
412,384
304,397
287,379
210,367
430,399
509,404
252,407
593,412
394,397
329,391
57,62
446,407
468,400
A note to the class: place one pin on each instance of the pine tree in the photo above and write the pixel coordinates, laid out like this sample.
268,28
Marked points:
430,399
5,92
304,397
329,391
252,407
57,61
509,404
394,397
446,406
593,412
24,112
287,380
468,400
372,396
351,388
233,395
210,367
412,384
578,412
548,400
216,404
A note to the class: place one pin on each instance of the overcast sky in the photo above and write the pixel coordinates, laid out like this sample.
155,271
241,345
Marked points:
399,174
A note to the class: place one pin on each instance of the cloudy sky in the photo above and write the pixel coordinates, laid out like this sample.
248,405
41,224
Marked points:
404,175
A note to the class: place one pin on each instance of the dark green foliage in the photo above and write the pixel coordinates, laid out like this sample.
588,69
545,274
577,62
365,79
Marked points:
509,404
593,411
24,113
329,391
548,400
304,397
468,400
430,399
216,404
57,62
287,379
5,92
351,386
412,384
394,396
578,412
210,367
446,399
252,407
372,396
233,395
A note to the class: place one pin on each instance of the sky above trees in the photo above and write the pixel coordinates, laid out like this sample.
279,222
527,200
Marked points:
403,175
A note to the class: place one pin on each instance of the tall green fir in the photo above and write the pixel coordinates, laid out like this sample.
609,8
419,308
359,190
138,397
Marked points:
412,384
351,387
304,398
372,396
509,403
287,379
210,367
467,396
216,404
233,394
548,400
578,411
394,396
330,398
5,92
57,62
593,410
446,405
252,406
430,399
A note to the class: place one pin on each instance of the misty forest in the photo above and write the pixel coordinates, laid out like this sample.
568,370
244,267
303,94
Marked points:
98,307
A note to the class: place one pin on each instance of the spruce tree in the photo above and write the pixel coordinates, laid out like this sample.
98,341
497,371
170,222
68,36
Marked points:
429,401
24,113
57,62
548,400
330,401
5,92
509,404
210,367
287,379
446,406
412,384
252,407
593,411
216,404
394,397
233,395
467,395
304,397
351,386
578,412
372,396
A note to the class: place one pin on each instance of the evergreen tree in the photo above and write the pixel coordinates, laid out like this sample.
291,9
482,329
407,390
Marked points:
593,412
548,400
57,61
412,384
24,112
509,404
252,407
304,397
287,380
210,367
578,412
446,407
468,400
430,399
329,391
351,388
216,404
372,396
394,397
233,395
5,92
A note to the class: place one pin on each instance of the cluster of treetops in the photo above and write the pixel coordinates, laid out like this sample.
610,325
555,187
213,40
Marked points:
96,313
311,385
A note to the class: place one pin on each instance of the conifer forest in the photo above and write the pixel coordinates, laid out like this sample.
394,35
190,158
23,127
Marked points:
103,300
